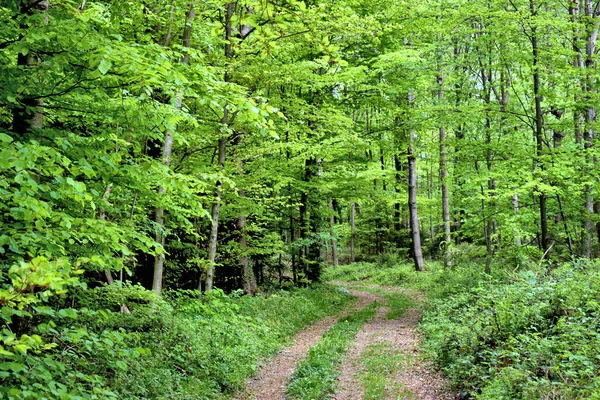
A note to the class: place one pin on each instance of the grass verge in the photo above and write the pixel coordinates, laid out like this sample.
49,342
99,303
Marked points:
315,376
179,346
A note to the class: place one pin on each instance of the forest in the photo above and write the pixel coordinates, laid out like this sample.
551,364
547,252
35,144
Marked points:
185,186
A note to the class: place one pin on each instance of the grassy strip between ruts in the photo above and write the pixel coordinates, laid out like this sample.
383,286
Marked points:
315,376
381,362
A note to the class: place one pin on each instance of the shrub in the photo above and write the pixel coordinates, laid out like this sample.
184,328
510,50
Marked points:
530,336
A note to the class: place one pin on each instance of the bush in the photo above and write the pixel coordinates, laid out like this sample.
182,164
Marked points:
529,336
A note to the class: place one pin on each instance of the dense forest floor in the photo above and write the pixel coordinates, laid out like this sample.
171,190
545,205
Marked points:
379,361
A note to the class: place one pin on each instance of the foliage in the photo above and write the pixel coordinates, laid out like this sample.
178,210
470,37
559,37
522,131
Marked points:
387,275
155,141
530,335
178,348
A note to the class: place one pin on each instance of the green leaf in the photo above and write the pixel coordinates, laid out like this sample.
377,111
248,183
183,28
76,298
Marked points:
4,138
121,365
104,66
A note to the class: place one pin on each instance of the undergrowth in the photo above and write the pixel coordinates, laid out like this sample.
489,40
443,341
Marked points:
315,377
530,333
181,347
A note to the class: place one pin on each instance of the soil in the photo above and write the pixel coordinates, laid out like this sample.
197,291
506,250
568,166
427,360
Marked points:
270,381
417,379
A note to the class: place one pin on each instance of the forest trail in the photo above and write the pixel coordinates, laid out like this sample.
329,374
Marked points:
413,380
270,381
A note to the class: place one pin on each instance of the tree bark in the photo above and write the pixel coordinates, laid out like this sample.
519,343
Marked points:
590,117
167,151
214,231
334,252
412,197
102,216
490,221
444,179
159,219
248,281
539,133
352,230
515,201
31,114
397,206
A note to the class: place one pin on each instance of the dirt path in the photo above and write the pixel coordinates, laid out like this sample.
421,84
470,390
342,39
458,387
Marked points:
417,380
270,381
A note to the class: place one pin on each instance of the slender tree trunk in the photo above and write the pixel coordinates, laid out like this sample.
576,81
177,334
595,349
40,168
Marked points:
352,230
102,216
515,201
590,116
248,281
292,249
334,252
491,221
159,219
412,197
216,206
382,162
31,114
444,180
430,190
539,134
397,207
159,214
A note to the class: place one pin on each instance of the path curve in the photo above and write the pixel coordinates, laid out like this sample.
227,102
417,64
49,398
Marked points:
270,380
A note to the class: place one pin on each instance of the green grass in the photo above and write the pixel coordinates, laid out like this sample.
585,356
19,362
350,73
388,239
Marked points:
315,376
381,362
396,301
398,304
185,347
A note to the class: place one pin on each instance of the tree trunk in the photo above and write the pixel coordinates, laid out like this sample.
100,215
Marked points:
590,117
159,219
515,201
490,229
159,214
214,231
352,230
539,134
102,216
292,249
397,209
444,180
248,281
412,197
30,115
334,252
216,207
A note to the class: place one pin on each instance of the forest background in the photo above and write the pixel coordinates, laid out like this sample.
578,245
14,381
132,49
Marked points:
155,150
